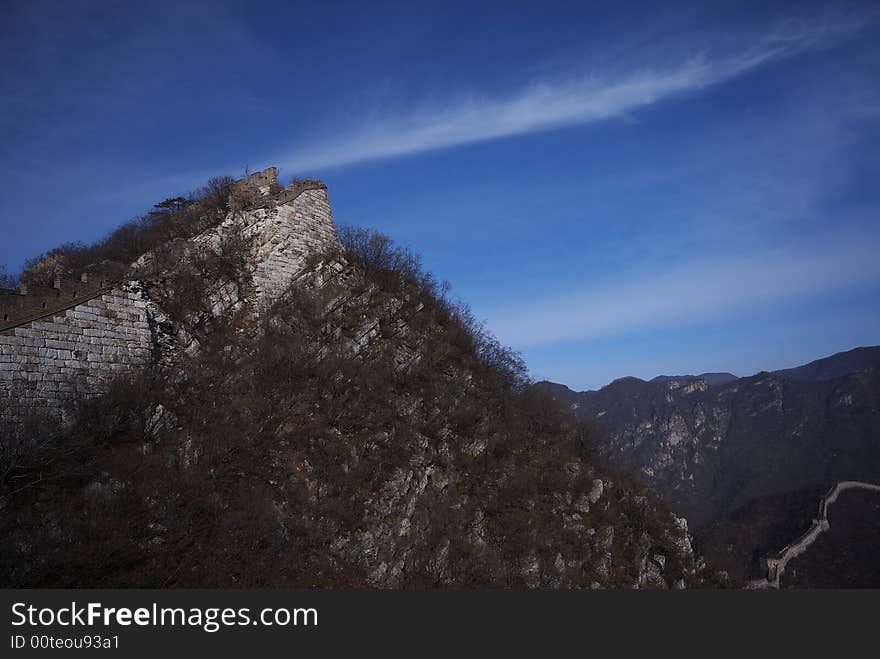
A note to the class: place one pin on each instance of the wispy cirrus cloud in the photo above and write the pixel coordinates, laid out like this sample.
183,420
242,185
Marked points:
690,293
546,105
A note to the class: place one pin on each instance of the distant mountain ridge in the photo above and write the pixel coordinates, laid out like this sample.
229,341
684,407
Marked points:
826,368
711,449
835,366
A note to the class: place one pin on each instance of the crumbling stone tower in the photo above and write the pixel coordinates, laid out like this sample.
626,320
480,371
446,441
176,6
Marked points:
288,226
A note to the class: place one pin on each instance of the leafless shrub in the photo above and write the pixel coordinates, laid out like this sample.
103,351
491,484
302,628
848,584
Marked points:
393,267
242,198
285,442
194,278
168,220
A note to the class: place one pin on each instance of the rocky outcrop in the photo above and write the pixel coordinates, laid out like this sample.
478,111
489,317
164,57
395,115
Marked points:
711,449
313,420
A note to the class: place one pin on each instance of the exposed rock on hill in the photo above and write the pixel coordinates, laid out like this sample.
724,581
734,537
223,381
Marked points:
710,449
712,379
352,428
746,461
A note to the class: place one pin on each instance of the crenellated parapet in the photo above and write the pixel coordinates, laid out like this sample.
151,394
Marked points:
32,301
262,189
73,353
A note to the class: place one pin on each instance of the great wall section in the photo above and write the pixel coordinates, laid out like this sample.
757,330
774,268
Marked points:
70,340
777,563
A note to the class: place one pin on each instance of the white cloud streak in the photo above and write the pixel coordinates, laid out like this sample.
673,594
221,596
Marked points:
545,105
689,293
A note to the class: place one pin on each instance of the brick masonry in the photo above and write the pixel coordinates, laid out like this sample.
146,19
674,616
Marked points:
78,352
46,363
282,237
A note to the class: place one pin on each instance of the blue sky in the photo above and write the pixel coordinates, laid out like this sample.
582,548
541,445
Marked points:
617,189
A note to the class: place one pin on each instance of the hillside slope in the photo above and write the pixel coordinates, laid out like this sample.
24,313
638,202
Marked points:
835,366
710,450
746,460
356,430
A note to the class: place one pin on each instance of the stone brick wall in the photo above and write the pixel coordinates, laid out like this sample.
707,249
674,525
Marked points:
290,233
46,363
282,234
78,351
266,180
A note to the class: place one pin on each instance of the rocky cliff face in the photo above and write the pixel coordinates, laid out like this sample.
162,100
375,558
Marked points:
711,449
325,418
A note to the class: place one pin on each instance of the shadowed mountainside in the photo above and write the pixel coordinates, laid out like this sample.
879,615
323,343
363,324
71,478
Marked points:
356,429
745,461
846,554
711,449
